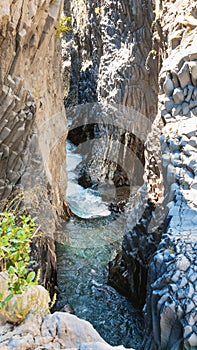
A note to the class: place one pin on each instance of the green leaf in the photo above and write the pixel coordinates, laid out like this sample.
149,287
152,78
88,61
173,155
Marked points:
31,276
11,270
1,305
8,298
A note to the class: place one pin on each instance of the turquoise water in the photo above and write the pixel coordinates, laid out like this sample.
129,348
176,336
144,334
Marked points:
82,280
84,248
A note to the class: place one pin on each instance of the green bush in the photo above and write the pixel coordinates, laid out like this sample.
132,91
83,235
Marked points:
15,238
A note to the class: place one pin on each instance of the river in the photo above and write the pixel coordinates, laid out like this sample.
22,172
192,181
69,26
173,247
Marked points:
86,244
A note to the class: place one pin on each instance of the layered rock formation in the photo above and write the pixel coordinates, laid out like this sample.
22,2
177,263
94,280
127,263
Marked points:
108,52
32,117
170,173
172,283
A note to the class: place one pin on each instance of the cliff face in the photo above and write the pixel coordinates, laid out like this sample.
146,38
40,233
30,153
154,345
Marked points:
32,117
108,52
110,45
172,281
169,216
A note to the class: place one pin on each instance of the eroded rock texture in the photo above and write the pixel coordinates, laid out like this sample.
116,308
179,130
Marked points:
53,332
108,52
32,119
170,174
172,284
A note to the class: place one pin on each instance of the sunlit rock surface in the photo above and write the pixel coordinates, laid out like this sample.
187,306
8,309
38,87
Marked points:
35,299
32,117
57,331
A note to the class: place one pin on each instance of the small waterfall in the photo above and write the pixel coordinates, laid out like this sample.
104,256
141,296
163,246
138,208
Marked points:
85,203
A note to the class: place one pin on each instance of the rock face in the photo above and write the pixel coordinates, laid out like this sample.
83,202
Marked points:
57,331
172,281
108,50
32,118
170,174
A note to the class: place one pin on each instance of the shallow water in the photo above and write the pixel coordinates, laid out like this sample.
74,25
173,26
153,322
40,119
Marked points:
83,250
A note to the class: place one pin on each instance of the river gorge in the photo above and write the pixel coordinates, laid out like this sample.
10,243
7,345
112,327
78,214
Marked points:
117,216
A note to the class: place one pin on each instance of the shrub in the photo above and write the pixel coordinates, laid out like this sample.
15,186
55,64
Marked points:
15,238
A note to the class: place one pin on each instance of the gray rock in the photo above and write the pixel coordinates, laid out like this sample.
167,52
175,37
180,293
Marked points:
177,110
194,95
190,90
185,108
168,85
184,75
169,104
178,95
192,340
194,111
4,134
193,104
175,79
182,263
193,71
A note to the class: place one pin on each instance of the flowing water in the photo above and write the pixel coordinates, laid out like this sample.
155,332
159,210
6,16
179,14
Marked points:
86,244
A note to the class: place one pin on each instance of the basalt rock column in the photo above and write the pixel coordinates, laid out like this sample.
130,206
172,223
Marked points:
32,117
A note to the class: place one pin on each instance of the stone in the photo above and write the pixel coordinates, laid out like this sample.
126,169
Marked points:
175,79
188,128
178,95
35,299
190,90
57,331
184,75
194,95
194,111
176,111
182,263
168,85
185,108
192,340
192,104
193,72
169,104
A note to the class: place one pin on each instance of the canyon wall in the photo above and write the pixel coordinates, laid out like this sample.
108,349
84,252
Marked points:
168,224
117,52
32,118
108,52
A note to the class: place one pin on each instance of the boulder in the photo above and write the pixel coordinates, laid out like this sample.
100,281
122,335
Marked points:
35,299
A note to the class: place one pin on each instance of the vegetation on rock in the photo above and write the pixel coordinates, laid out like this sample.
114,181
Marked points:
15,238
